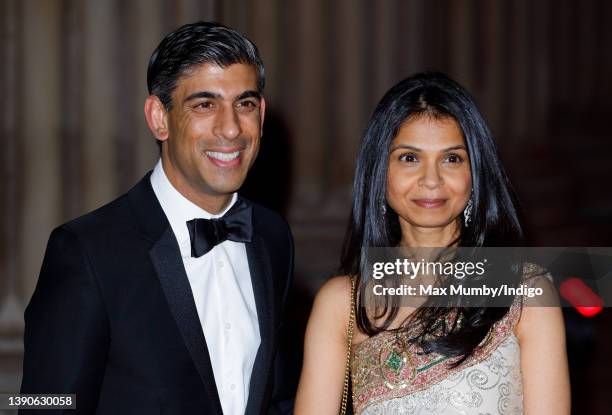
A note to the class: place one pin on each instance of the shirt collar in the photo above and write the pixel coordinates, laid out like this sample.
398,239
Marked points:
178,208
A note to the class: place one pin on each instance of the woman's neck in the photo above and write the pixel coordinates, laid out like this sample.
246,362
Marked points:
415,236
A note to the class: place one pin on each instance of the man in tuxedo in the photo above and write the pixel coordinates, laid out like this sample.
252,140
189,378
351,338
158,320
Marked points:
169,299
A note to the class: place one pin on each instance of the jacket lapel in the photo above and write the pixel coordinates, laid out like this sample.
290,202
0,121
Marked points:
166,258
167,261
261,278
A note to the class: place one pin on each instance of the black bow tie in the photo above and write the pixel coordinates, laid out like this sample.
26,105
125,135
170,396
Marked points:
236,225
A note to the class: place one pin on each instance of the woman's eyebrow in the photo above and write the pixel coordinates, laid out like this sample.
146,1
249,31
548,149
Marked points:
416,149
406,147
457,147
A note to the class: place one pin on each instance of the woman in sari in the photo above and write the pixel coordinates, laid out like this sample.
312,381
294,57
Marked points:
428,174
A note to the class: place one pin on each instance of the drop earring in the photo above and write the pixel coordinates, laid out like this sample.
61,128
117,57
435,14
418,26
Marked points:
467,213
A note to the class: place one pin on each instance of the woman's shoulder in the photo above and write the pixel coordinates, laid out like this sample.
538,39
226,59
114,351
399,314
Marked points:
533,272
334,297
536,277
337,287
542,312
333,300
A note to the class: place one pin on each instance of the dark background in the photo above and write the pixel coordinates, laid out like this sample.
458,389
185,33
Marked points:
72,80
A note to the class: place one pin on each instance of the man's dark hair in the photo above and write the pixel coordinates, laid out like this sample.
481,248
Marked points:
196,44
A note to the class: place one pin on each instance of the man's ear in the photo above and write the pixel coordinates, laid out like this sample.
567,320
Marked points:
157,117
262,115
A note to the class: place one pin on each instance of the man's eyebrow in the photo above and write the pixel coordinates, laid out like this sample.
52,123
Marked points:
249,94
213,95
416,149
202,94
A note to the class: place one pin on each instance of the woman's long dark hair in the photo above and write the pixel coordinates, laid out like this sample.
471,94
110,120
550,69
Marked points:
494,222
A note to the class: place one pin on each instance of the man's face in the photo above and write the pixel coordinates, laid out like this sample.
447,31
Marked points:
214,128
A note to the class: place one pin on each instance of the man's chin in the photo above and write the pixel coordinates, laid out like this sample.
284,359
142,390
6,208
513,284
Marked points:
226,189
227,183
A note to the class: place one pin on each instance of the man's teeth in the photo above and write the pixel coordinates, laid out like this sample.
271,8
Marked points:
223,156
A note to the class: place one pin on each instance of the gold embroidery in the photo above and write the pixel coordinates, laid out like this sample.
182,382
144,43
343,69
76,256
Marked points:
386,366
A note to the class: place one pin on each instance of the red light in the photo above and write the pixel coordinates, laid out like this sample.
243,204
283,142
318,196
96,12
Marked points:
588,311
580,295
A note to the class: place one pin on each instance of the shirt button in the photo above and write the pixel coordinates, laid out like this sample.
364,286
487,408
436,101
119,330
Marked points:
232,386
220,264
228,326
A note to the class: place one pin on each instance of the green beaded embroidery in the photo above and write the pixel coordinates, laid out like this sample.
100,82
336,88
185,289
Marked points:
394,362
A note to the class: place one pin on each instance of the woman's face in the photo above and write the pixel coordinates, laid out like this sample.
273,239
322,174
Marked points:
428,180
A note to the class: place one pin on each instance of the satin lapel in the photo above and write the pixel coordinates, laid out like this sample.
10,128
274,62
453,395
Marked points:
263,289
166,258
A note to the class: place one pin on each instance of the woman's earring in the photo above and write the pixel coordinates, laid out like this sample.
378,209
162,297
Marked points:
467,212
383,208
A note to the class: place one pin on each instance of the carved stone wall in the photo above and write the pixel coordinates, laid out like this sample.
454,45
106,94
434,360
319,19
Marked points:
74,137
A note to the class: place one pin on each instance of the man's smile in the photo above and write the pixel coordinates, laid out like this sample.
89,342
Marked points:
224,159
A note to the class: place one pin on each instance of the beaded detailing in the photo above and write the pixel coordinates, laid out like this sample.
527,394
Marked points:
493,386
386,366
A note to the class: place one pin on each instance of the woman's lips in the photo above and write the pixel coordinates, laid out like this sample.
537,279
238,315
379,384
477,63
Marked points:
430,203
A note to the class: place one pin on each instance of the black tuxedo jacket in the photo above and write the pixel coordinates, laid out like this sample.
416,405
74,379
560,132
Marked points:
113,318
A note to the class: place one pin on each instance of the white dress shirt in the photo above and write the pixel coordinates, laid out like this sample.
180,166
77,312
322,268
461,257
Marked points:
221,284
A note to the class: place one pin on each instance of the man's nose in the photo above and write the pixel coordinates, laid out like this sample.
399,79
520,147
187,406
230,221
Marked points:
227,124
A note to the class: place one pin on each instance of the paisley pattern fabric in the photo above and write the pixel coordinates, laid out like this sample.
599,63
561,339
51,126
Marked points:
390,376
